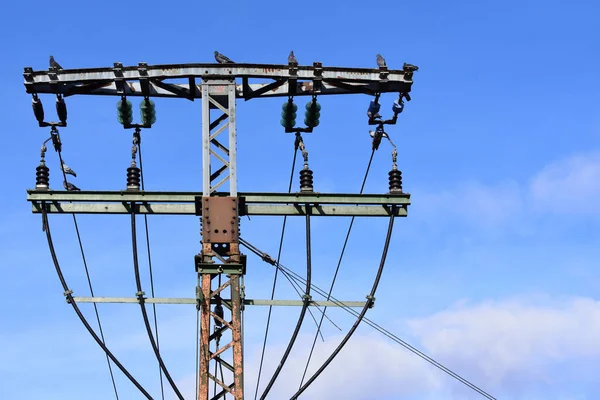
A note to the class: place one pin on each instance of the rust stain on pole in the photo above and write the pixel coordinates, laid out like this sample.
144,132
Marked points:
204,338
236,333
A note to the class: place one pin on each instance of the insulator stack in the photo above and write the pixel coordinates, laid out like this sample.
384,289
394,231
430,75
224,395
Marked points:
61,109
133,178
306,180
42,177
38,109
373,110
395,181
147,112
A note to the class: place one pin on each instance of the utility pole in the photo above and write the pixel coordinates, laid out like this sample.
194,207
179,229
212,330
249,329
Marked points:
220,241
219,205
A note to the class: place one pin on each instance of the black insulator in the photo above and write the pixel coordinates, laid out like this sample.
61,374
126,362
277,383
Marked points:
395,180
219,313
38,109
306,180
133,178
42,176
61,109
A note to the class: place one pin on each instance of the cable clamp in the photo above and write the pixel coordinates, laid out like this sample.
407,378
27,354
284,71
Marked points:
307,298
371,301
140,295
267,258
68,294
55,136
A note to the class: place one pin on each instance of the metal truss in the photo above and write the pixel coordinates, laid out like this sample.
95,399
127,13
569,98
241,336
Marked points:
181,203
166,80
214,94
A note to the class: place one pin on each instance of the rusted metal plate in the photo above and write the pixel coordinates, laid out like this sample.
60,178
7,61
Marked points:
220,220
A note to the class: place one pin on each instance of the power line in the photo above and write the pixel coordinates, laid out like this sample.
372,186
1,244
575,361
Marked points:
140,295
294,276
336,271
306,298
262,356
297,287
89,280
369,304
69,295
139,146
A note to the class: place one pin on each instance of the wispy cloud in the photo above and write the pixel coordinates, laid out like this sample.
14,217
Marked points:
569,185
511,348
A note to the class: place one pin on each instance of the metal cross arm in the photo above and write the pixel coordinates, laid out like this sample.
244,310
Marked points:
188,203
152,80
193,301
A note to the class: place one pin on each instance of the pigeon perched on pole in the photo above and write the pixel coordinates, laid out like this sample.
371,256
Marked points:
222,59
54,64
381,61
70,187
292,58
410,67
67,169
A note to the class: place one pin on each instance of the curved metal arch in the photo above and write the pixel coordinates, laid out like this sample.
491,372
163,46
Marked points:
70,300
369,304
302,312
140,296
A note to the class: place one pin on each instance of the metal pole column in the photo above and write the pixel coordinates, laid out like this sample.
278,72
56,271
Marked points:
220,247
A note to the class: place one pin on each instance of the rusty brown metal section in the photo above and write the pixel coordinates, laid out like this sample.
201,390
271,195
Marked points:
236,333
220,236
220,220
204,338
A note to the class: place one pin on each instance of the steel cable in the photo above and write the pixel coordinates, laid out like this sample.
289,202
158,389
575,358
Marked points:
140,296
337,269
369,304
71,300
262,356
162,388
89,280
305,305
297,287
290,274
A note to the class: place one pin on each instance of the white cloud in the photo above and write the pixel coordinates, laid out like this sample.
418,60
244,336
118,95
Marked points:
473,201
569,185
502,342
510,349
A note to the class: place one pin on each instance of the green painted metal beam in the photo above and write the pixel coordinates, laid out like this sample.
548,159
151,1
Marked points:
184,203
189,197
253,210
249,302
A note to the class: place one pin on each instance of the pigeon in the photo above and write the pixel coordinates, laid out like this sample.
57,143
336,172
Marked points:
292,58
67,170
54,64
70,187
222,59
410,67
381,61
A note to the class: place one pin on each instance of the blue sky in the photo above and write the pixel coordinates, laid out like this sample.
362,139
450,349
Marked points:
494,273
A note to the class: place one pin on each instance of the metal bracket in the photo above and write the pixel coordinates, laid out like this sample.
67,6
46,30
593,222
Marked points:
224,268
